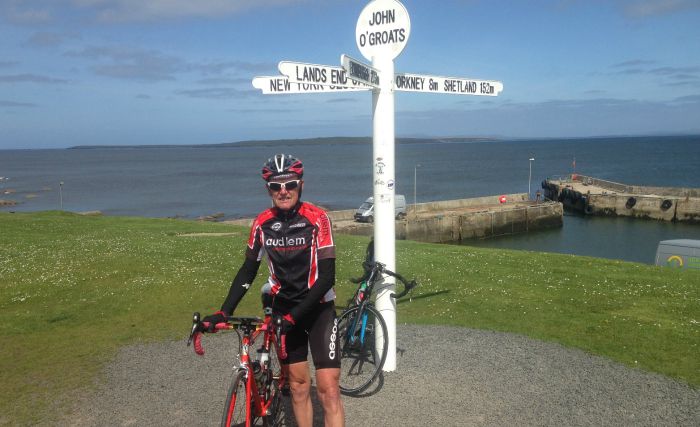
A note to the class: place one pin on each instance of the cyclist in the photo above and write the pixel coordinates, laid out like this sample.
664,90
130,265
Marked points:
297,240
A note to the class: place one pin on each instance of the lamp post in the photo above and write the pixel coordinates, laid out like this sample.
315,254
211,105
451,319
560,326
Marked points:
415,173
60,193
529,179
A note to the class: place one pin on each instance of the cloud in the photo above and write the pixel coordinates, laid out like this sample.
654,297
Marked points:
216,93
30,78
41,11
259,110
645,8
153,10
667,76
25,12
689,99
44,39
131,64
341,100
152,66
220,67
14,104
633,63
224,81
561,118
667,71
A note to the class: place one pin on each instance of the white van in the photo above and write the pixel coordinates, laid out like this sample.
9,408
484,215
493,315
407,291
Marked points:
365,213
679,253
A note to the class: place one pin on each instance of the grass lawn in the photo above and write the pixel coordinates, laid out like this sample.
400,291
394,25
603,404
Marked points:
74,289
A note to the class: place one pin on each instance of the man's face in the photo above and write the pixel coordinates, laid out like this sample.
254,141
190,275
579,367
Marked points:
284,191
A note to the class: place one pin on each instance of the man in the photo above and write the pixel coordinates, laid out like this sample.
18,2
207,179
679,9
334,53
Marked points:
297,239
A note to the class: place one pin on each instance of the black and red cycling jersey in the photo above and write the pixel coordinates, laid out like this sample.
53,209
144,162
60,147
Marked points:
301,257
294,242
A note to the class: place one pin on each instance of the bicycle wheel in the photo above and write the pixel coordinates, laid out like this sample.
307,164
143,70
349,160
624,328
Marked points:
360,358
273,396
235,412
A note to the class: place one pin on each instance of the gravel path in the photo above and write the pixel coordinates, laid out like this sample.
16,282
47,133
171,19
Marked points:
445,376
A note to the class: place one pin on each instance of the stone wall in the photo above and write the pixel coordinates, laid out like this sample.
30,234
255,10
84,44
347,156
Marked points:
463,203
484,224
639,189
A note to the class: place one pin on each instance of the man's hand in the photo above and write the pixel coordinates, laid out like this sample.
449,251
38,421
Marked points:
286,323
213,319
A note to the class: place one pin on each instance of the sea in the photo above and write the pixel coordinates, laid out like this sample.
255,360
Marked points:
195,181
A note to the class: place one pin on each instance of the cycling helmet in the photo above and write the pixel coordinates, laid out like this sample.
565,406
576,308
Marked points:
282,165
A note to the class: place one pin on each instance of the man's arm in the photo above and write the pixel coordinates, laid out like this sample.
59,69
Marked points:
325,281
240,285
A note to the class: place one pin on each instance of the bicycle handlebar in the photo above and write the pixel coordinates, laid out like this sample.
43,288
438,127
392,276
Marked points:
199,327
371,266
407,288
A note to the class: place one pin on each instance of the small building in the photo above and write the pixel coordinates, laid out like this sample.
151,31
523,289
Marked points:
679,253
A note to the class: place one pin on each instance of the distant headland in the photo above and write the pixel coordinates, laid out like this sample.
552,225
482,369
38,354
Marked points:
333,140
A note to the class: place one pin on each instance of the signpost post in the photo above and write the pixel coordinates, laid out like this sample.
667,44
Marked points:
381,33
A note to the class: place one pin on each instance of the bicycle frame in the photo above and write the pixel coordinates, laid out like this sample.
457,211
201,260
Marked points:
255,398
366,299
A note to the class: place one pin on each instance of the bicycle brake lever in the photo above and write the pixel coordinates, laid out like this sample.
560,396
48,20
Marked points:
195,327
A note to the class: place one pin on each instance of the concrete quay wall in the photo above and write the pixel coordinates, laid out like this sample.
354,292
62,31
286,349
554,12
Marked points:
464,203
458,220
482,224
593,196
678,192
439,206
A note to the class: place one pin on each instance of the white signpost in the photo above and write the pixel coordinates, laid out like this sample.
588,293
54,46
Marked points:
280,85
454,85
381,33
327,75
360,71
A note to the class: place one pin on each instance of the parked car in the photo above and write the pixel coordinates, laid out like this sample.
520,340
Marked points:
365,213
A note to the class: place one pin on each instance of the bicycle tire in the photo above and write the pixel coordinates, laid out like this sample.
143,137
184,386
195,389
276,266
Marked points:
272,388
360,359
273,395
235,411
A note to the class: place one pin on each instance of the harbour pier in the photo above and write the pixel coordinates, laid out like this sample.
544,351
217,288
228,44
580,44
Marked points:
451,221
593,196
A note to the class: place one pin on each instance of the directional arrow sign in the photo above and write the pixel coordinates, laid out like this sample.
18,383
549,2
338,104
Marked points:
360,71
455,85
280,85
327,75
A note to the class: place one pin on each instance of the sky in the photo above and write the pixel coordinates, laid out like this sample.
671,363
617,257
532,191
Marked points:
124,72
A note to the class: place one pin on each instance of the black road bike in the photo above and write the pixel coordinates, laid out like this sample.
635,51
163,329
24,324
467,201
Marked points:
361,326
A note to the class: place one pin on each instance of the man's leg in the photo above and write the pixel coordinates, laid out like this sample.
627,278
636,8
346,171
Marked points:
327,383
300,385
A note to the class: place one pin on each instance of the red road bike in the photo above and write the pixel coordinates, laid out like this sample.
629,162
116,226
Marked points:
254,396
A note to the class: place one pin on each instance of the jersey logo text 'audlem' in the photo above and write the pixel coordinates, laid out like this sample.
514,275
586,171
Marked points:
284,242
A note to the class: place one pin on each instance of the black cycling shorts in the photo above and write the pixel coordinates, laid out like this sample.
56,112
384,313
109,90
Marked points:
318,330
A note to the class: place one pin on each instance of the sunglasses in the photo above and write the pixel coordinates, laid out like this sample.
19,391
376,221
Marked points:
289,185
